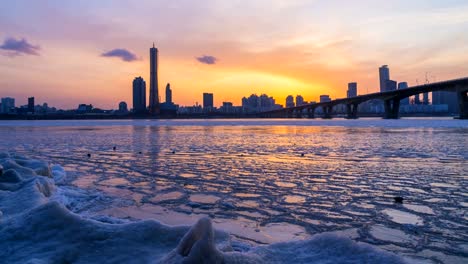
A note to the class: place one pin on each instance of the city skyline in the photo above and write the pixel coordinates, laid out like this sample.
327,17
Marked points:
231,59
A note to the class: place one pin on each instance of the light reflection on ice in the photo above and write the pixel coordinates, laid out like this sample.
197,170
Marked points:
347,178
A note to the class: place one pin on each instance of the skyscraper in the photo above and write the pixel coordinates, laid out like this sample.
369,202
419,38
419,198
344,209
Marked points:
168,93
139,95
154,93
390,85
289,101
31,104
207,100
299,100
352,90
403,85
384,75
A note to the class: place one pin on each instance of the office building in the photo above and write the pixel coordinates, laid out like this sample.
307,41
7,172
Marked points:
403,85
168,94
123,107
31,104
262,103
289,101
8,105
446,98
139,95
324,98
384,75
299,100
390,85
352,90
208,101
154,92
84,108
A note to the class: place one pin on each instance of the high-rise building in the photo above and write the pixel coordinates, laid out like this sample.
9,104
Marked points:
154,93
31,104
123,107
139,95
390,85
299,100
8,105
352,90
325,98
289,101
168,93
384,75
403,85
446,98
208,100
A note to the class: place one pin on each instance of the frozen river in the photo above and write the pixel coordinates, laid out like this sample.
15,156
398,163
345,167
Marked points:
268,181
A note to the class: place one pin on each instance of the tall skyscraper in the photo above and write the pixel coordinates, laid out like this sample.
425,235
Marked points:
139,95
384,75
352,90
403,85
31,104
390,85
299,100
154,93
289,101
168,93
208,100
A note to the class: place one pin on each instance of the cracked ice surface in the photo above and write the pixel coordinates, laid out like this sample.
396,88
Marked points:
250,177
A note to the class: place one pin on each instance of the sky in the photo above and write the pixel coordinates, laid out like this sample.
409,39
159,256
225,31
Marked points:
71,52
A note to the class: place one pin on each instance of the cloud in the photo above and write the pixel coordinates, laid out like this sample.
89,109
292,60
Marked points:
207,59
16,47
124,54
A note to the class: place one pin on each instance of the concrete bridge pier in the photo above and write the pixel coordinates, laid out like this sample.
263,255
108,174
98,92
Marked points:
463,103
290,114
327,112
351,111
392,108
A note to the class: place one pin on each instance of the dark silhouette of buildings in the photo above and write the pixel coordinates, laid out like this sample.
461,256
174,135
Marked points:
139,95
290,101
8,105
425,98
403,85
31,104
384,75
168,93
390,85
154,92
324,98
208,101
446,98
299,100
168,108
123,107
352,90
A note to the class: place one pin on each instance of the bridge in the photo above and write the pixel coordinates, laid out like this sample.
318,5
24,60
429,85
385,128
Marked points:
391,100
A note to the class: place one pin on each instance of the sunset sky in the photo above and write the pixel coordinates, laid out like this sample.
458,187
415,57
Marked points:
71,52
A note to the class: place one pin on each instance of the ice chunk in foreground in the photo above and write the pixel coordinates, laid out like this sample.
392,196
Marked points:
35,228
